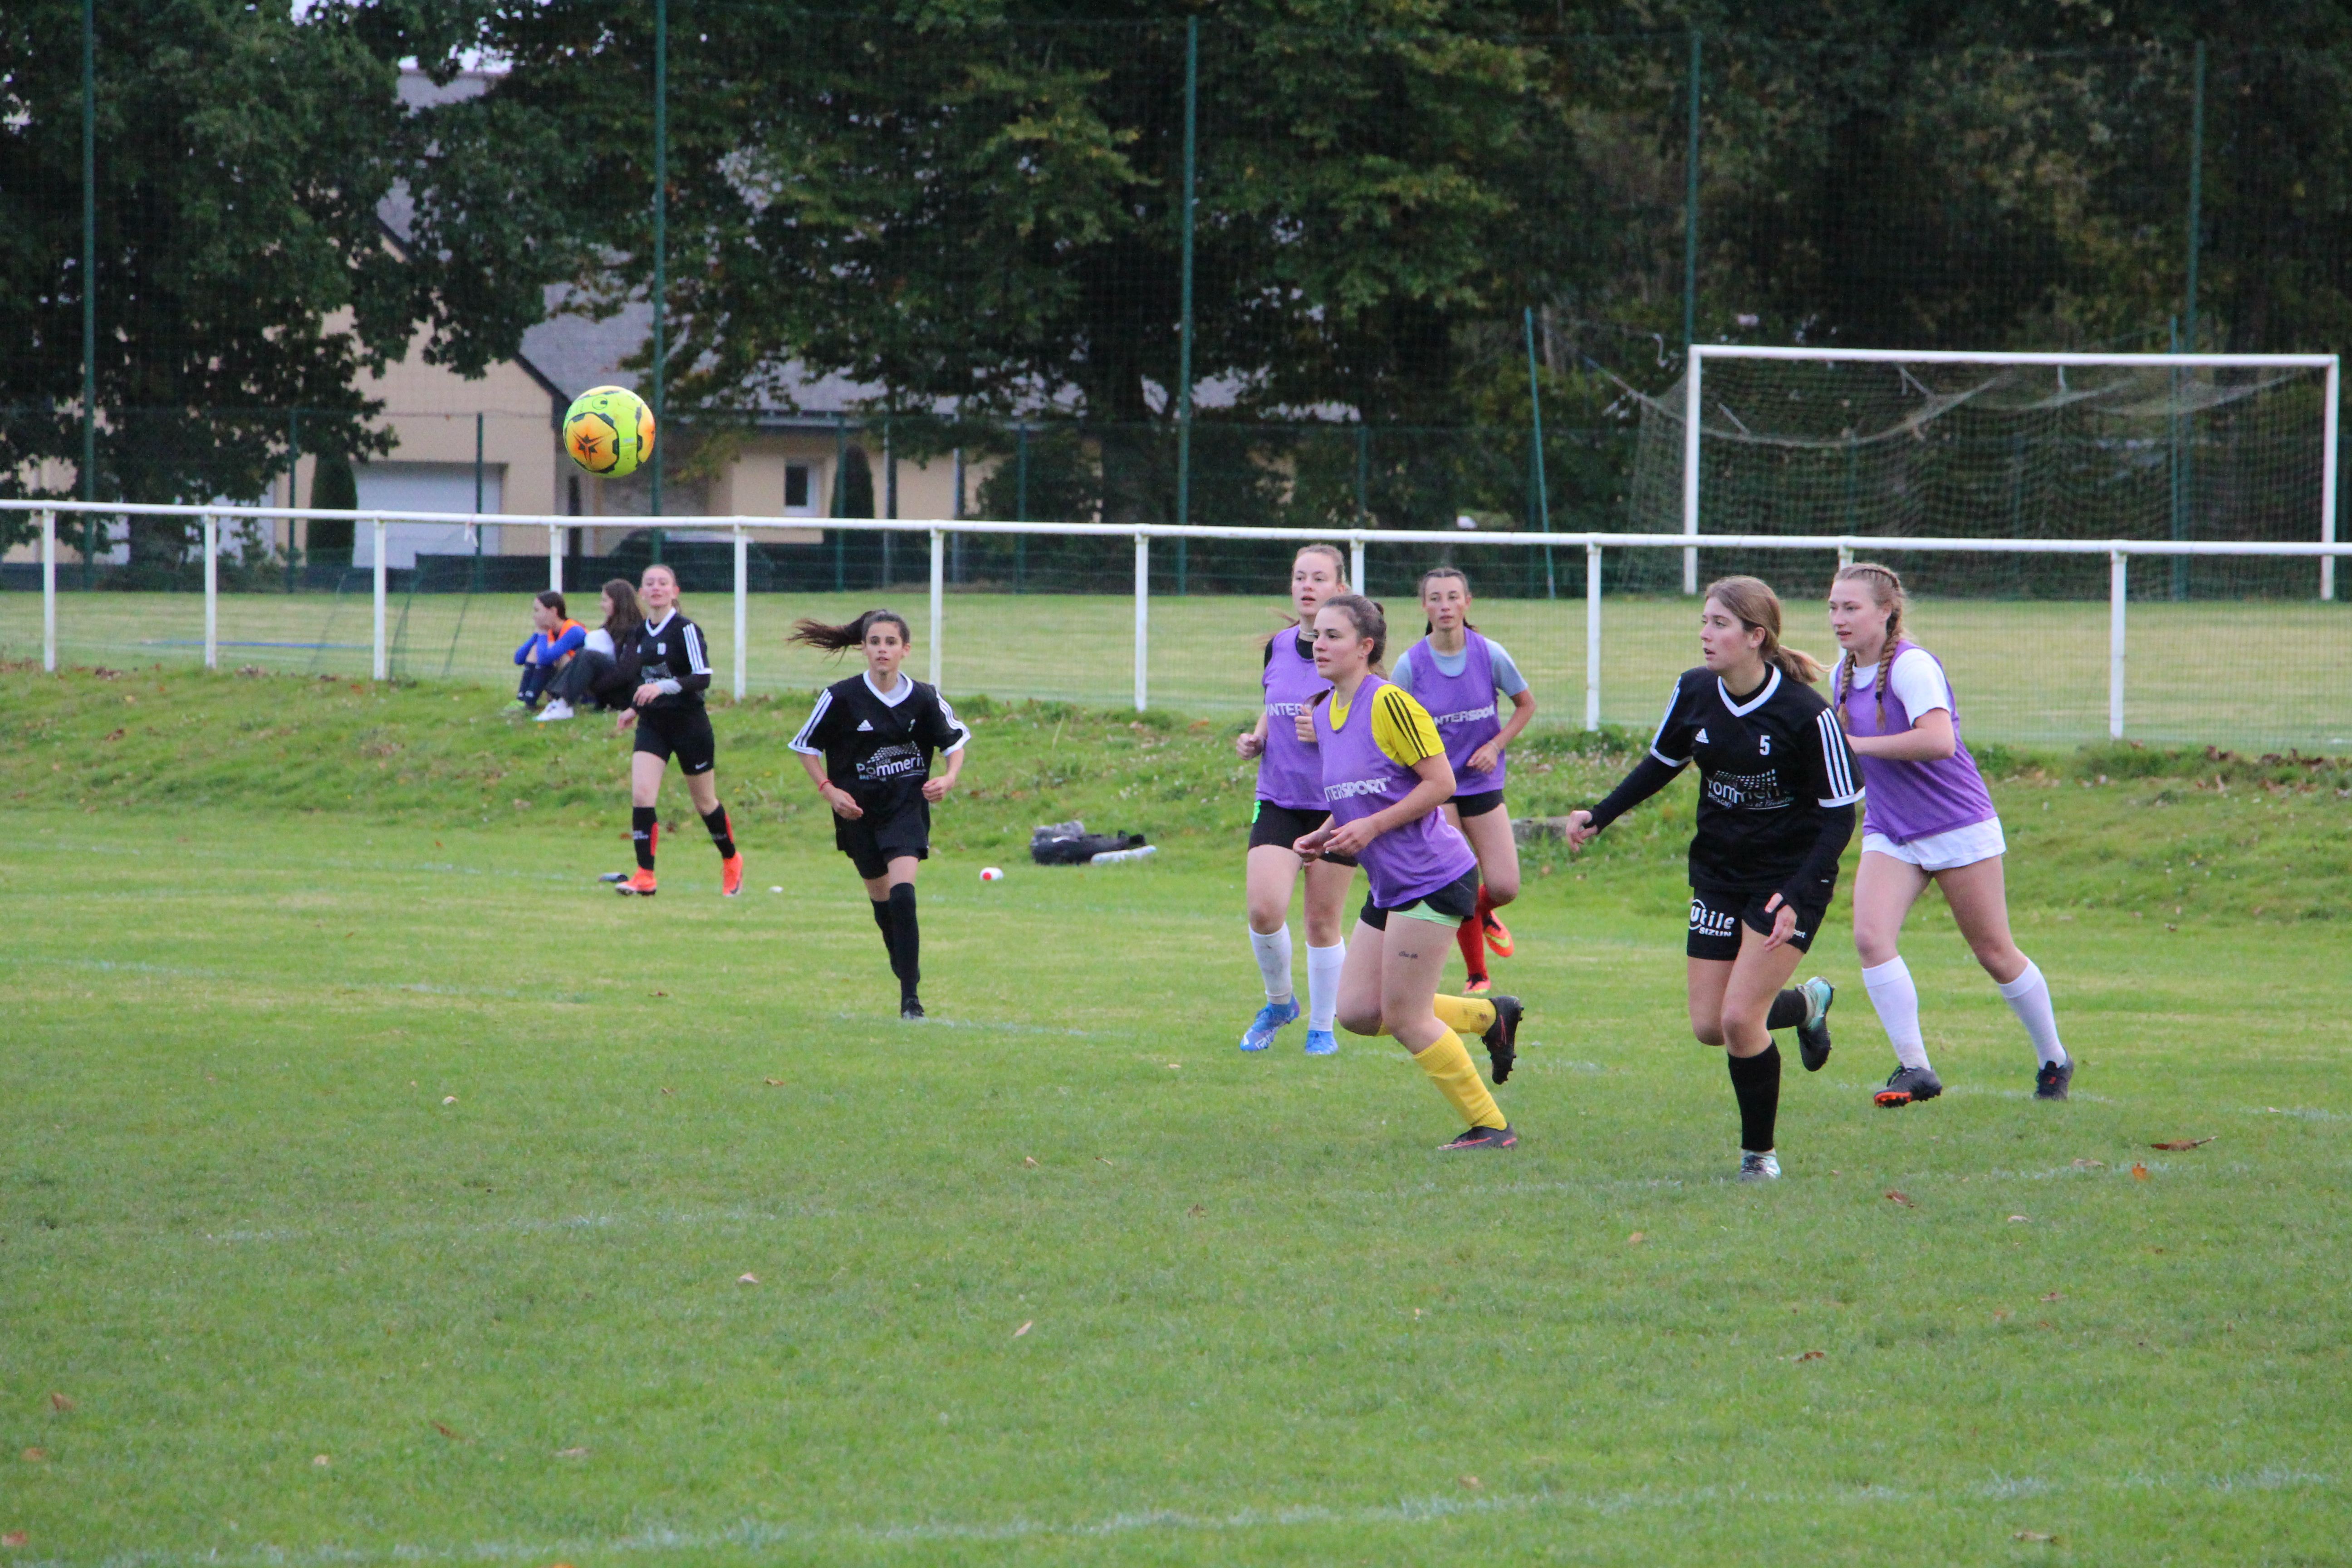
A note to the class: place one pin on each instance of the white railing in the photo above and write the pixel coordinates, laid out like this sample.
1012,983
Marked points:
1692,401
2118,551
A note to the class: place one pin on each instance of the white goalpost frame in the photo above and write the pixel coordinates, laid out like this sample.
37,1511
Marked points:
2118,551
1692,401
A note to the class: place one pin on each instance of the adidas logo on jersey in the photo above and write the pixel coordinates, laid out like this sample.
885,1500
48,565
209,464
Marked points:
1702,737
866,725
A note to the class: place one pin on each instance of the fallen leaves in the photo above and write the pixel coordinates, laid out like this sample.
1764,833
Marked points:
2139,1172
37,1456
2001,1314
2055,1296
1105,1161
1636,1240
322,1460
2090,1164
1030,1160
1024,1328
1813,1355
2185,1143
747,1280
449,1099
571,1453
2019,1219
446,1432
2035,1535
1197,1210
1472,1482
61,1404
1899,1199
15,1538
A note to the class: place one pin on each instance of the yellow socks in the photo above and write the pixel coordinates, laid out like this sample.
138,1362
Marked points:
1447,1063
1465,1015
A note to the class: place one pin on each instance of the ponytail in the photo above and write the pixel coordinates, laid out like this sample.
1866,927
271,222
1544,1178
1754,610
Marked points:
840,639
1369,619
1753,604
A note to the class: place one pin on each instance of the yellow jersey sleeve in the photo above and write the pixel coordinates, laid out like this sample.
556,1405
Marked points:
1402,727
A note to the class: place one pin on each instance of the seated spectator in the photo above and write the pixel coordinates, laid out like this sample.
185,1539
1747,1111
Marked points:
553,639
604,673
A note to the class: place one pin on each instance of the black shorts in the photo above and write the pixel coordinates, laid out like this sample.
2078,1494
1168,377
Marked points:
685,732
888,831
1457,901
1717,913
1479,804
1283,825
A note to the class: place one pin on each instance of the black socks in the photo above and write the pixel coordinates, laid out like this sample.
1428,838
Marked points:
1787,1012
722,832
645,825
1755,1082
906,939
889,937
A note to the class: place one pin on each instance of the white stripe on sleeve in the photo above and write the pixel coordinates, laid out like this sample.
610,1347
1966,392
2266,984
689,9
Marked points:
1672,695
1835,761
696,664
962,730
799,742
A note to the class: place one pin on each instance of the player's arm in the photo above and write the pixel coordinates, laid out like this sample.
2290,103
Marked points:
952,735
1928,700
819,730
1510,683
1835,781
698,664
1669,754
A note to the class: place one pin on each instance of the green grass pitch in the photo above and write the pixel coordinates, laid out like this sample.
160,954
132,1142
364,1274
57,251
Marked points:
375,1187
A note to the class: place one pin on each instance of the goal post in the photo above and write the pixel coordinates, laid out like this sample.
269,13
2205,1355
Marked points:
1957,443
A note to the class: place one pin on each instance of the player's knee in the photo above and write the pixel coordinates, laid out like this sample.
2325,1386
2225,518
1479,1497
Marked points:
1874,948
1708,1031
2002,960
1266,918
1360,1020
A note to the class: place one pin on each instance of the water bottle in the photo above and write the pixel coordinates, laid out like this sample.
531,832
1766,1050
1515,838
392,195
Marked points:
1110,857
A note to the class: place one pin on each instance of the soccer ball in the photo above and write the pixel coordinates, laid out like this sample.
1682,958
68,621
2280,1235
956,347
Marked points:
992,874
609,431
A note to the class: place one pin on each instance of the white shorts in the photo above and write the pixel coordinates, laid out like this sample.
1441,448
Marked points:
1943,851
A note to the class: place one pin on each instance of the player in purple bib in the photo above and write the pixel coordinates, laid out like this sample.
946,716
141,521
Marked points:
1460,676
1929,819
1290,806
1384,776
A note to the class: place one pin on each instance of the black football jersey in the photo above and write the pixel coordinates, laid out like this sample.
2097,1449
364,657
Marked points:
1768,767
674,655
878,750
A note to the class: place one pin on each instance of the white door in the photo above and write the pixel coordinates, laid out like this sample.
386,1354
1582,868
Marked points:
423,486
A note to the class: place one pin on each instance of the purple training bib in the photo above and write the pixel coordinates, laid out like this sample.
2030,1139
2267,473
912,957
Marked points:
1466,708
1359,779
1289,773
1904,801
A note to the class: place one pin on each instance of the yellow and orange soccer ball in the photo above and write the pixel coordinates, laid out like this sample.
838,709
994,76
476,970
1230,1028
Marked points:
609,431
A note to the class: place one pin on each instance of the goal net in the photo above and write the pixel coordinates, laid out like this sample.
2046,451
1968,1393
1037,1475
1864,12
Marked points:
2218,449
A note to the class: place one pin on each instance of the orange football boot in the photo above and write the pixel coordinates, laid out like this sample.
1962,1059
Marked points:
730,875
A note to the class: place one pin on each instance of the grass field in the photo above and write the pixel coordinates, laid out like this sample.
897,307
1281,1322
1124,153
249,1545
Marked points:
375,1189
2260,675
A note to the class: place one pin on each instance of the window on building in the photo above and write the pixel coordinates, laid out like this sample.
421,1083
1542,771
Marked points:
797,487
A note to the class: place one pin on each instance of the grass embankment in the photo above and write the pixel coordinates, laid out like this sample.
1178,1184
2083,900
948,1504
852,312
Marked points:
374,1188
2166,833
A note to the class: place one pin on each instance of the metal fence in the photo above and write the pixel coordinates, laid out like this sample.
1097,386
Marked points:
2259,673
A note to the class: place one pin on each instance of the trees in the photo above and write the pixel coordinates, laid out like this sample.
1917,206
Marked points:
242,266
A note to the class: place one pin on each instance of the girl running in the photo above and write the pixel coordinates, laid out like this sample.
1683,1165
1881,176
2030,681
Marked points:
1456,672
1385,775
1289,806
668,713
1929,819
1777,791
877,733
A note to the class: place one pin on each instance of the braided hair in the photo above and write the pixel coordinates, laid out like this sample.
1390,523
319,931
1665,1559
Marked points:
1886,591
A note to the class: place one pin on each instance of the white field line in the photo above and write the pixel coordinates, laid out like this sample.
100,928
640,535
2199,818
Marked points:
1422,1510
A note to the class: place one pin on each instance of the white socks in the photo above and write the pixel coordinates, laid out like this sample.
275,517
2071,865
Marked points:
2027,996
1272,950
1323,966
1897,1001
